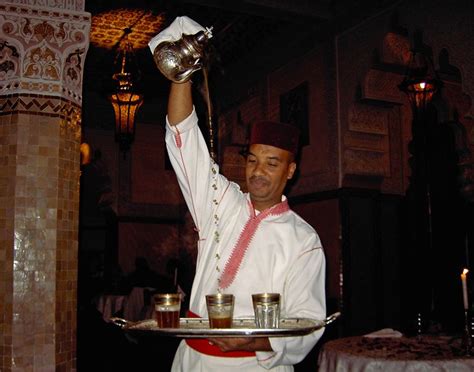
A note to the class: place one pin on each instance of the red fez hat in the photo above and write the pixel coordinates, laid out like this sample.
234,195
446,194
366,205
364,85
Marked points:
272,133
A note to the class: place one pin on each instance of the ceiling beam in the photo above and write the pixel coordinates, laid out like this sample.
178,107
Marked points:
280,9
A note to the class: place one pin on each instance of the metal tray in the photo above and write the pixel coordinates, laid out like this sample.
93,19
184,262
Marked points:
241,327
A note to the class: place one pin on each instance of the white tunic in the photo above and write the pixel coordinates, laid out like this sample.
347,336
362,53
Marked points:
284,256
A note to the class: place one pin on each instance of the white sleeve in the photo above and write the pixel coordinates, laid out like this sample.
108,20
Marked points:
198,175
305,298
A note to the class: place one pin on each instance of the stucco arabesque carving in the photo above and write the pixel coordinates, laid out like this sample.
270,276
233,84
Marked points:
77,5
368,139
42,51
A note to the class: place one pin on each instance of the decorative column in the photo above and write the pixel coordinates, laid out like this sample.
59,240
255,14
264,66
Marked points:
43,46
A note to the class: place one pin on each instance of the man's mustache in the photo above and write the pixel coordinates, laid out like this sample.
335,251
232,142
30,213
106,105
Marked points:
258,179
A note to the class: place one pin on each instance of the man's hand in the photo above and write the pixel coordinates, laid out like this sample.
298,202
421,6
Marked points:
181,25
242,343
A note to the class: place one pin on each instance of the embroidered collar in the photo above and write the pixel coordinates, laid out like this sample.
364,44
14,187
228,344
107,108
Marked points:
233,264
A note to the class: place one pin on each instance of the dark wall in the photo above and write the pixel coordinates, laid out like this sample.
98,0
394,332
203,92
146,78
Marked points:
371,261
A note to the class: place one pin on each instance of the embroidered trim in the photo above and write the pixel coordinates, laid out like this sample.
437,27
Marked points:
177,138
233,264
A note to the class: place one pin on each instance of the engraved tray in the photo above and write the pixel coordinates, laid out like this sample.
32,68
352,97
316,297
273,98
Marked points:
241,327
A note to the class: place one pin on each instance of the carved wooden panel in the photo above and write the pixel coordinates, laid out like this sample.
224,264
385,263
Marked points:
368,119
382,86
367,150
366,162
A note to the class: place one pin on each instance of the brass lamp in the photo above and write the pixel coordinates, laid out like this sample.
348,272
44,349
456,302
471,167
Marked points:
420,82
125,100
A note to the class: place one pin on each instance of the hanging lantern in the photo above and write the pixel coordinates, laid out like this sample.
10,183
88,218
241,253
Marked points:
125,106
125,100
420,82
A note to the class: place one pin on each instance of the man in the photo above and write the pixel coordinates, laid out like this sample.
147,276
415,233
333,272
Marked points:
248,242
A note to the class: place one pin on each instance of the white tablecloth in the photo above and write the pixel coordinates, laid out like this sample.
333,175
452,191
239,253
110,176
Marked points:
363,354
130,307
109,305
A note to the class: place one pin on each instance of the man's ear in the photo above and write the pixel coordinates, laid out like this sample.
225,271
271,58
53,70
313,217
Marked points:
291,170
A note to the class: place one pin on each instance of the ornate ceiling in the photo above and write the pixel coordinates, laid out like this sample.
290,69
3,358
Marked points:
109,27
244,31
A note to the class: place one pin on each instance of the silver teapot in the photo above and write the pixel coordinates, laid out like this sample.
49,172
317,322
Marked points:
179,59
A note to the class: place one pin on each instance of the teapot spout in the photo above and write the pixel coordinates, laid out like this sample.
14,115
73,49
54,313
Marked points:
185,75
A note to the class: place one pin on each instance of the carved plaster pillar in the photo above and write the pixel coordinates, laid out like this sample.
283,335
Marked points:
43,45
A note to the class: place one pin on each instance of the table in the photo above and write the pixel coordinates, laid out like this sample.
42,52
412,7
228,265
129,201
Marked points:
424,353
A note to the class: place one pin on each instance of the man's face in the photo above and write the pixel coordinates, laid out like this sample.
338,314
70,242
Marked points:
267,170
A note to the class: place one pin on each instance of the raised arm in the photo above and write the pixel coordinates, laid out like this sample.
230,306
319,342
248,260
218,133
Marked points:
180,102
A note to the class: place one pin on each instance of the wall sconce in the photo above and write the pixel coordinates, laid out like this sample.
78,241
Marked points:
125,100
86,155
420,82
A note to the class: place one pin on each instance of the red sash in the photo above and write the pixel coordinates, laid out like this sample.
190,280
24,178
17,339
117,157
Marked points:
203,346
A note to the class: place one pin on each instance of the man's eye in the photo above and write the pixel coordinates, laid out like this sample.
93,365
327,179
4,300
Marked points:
249,160
272,164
